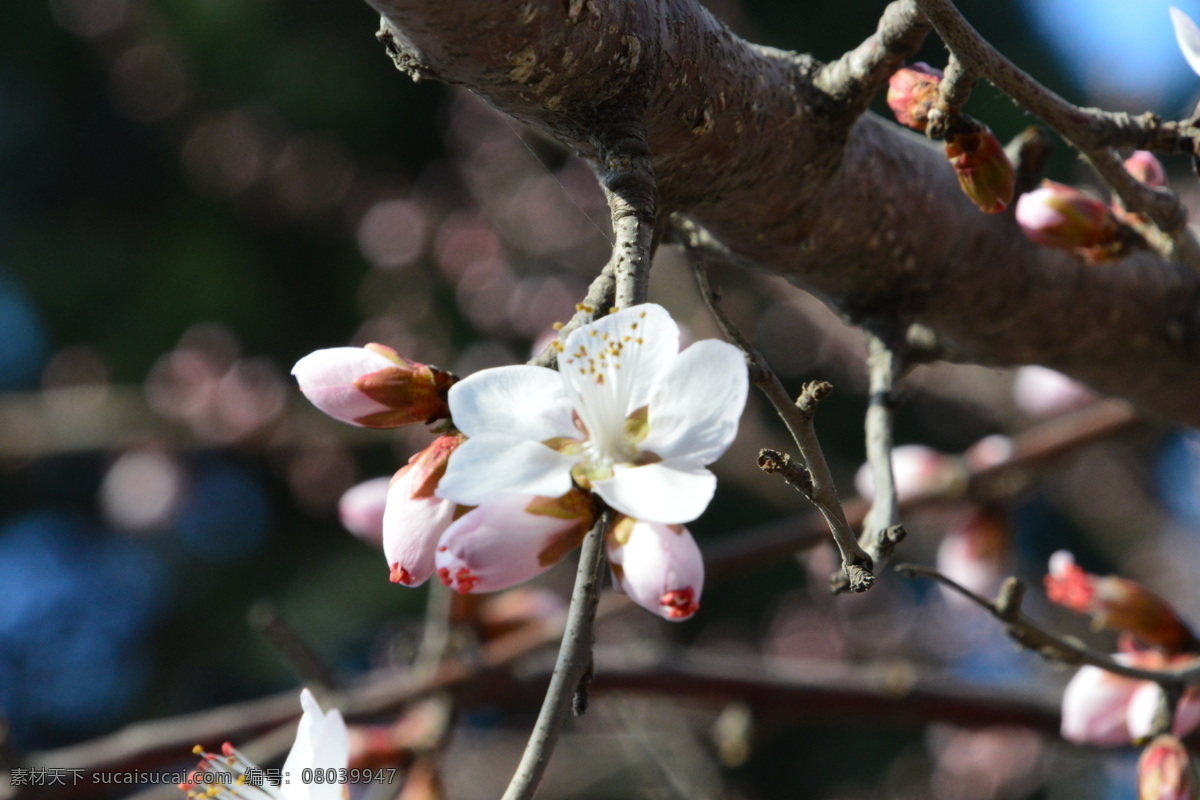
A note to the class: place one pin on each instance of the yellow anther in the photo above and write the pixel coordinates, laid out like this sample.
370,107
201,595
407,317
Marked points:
198,750
558,326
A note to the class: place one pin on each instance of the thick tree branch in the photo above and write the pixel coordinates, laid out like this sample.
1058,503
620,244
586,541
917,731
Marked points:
1094,133
870,218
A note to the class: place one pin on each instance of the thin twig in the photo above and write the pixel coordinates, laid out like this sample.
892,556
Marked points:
600,297
858,75
574,659
798,417
627,176
1093,132
436,632
297,653
1050,645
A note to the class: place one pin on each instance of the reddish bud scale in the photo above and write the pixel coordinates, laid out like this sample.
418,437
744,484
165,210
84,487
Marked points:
399,574
1118,603
984,171
680,604
912,91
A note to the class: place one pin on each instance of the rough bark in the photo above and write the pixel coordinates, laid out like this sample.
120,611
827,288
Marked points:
747,142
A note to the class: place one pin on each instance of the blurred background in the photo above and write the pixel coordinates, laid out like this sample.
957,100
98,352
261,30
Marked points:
195,194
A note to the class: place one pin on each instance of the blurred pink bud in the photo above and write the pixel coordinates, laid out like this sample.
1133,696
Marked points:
658,566
989,451
415,517
1146,168
974,552
1117,603
1166,772
373,386
508,541
917,470
984,171
912,91
508,611
1057,215
1095,705
361,509
1043,392
1143,707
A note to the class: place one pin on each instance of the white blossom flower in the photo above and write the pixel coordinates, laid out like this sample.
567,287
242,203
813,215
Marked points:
322,744
627,416
1187,34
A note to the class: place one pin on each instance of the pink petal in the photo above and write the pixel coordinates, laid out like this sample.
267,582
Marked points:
327,379
361,509
1094,707
1144,705
658,566
499,545
411,527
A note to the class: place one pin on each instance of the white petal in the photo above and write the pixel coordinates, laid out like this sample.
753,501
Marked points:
660,568
526,401
612,365
695,410
300,756
669,492
495,465
1188,36
411,527
1144,705
331,751
498,545
327,377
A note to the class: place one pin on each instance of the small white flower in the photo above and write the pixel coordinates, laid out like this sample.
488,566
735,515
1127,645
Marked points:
627,416
322,745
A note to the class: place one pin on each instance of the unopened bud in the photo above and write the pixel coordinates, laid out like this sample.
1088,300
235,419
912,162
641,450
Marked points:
361,509
1166,772
658,566
414,517
912,91
1117,603
373,386
917,471
984,171
1061,216
1146,168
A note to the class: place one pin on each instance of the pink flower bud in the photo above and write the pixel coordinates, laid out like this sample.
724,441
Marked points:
373,386
912,91
1117,603
1166,772
917,470
658,566
361,509
1061,216
1146,168
415,517
1095,705
1143,706
1043,392
508,541
984,171
975,553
